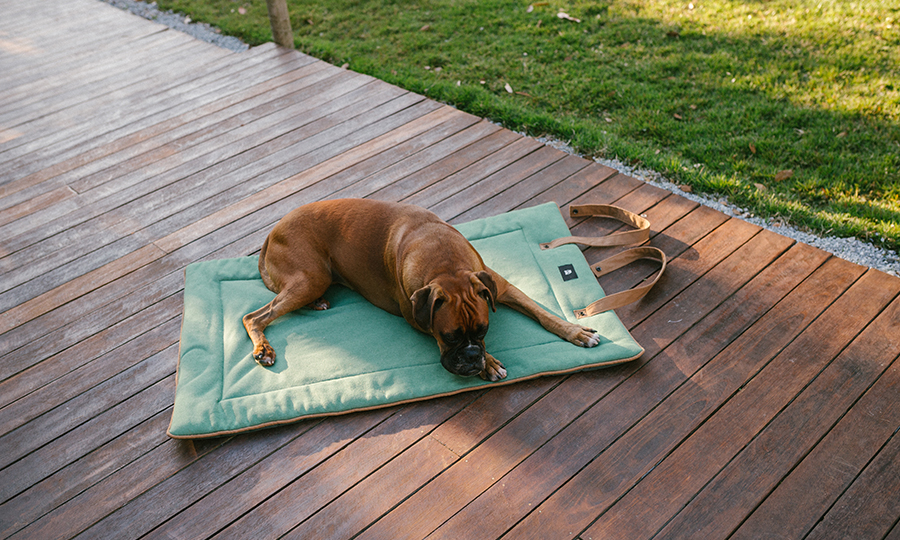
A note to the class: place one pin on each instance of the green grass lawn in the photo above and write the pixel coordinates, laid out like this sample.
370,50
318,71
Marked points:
788,108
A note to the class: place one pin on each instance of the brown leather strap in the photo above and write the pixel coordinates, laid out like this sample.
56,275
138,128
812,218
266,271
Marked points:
634,294
640,234
637,236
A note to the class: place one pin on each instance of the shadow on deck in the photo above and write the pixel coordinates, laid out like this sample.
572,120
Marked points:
765,404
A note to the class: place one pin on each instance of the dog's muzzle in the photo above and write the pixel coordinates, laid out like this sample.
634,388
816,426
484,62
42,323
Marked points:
465,361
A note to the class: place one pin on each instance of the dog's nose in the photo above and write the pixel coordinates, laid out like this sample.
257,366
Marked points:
471,353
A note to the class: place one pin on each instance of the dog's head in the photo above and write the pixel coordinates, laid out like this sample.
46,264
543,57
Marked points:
454,309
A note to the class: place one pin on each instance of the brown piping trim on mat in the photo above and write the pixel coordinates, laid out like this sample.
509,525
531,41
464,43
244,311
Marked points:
398,403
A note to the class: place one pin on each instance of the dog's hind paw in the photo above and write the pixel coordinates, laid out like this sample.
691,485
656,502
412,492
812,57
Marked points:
265,356
319,305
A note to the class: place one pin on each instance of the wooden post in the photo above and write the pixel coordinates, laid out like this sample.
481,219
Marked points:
280,20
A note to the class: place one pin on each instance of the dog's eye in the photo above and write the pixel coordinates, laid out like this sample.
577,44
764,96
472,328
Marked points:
452,339
480,332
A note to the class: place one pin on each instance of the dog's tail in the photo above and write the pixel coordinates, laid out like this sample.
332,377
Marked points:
263,272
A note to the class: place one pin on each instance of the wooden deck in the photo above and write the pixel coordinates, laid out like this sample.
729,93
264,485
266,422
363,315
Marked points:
766,404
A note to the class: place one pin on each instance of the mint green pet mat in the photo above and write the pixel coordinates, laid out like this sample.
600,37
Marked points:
355,356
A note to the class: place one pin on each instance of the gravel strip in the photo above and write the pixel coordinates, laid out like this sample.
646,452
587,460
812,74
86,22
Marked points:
180,22
850,249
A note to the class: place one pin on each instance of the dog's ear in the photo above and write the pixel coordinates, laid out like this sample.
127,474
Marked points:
424,303
490,288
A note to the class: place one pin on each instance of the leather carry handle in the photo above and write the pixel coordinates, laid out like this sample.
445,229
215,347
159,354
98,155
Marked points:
637,236
640,234
623,298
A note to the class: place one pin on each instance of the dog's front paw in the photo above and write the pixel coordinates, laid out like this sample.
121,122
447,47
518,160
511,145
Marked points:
493,369
264,355
585,337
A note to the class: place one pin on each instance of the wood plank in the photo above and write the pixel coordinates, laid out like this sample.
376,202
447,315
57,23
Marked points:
525,189
484,465
14,212
25,283
106,64
343,151
293,191
571,188
452,163
34,21
375,494
755,346
238,107
355,509
61,328
327,115
111,71
102,428
39,139
103,355
811,489
277,116
413,163
74,288
465,197
429,195
311,444
143,471
228,85
245,491
326,186
55,490
112,75
181,101
40,33
895,533
49,60
450,129
301,498
56,69
869,509
719,438
68,416
762,464
306,457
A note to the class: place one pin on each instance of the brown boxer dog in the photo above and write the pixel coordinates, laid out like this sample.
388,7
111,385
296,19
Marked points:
403,259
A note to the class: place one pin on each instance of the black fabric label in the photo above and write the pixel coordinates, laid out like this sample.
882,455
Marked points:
567,271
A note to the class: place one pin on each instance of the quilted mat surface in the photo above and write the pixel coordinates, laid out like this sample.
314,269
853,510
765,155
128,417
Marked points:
355,356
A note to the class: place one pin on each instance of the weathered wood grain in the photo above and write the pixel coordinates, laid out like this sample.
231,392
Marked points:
764,404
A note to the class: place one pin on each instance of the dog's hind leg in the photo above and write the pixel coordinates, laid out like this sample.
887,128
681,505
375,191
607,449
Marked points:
305,291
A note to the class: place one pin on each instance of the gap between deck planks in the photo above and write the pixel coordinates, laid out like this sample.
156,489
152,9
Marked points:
113,179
